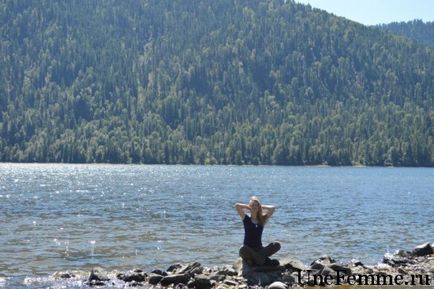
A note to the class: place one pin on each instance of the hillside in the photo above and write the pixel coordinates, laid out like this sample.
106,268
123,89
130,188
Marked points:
228,82
422,32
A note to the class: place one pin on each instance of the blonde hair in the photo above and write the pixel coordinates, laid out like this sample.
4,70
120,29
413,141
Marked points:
262,218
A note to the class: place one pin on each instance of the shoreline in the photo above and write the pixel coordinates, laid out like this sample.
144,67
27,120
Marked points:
402,268
213,165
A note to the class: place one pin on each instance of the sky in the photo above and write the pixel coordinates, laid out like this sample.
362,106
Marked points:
371,12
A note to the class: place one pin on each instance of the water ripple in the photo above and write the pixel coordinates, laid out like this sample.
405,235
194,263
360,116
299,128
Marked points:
65,217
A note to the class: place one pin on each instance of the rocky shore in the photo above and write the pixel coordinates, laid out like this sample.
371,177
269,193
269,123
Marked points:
415,267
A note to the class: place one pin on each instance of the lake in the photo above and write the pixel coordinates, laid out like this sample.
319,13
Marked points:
63,217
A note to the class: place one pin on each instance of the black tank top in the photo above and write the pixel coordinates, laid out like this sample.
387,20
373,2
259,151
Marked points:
252,233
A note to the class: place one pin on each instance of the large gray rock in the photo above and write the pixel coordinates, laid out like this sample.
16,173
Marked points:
190,268
154,278
395,260
221,273
217,277
173,267
135,277
321,262
338,267
159,272
95,275
227,270
423,250
258,275
95,280
175,279
317,266
200,282
292,264
327,271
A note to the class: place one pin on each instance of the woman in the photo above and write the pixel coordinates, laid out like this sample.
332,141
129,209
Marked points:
253,252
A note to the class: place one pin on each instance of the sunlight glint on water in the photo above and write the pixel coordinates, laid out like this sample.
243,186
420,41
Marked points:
58,217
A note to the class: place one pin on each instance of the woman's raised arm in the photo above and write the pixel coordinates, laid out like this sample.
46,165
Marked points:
240,209
269,210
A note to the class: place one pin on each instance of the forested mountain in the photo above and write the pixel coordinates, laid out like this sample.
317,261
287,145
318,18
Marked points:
418,30
202,81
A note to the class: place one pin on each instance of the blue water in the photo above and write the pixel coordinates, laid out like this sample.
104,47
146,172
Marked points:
56,217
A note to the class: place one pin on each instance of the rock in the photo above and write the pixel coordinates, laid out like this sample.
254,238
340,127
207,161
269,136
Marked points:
135,284
327,270
292,264
227,270
289,278
325,260
95,283
63,275
154,278
381,273
175,279
317,266
337,267
256,275
217,277
159,272
311,283
181,286
321,262
357,263
136,277
278,285
241,275
272,268
200,282
120,276
395,260
403,253
191,268
296,277
95,280
238,266
93,276
423,250
230,283
174,267
402,271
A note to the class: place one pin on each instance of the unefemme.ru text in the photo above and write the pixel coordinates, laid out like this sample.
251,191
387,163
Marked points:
363,279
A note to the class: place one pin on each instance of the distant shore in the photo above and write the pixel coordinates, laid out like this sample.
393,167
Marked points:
217,165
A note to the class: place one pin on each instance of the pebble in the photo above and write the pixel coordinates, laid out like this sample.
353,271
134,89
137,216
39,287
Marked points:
241,275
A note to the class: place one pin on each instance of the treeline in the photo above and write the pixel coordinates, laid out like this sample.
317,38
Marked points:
417,30
209,82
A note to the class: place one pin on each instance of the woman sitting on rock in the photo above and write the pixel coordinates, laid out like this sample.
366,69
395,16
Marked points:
253,252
